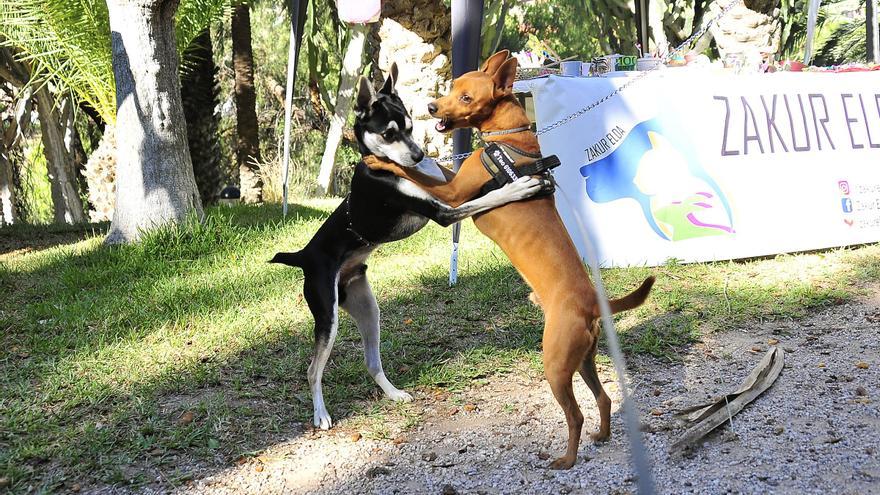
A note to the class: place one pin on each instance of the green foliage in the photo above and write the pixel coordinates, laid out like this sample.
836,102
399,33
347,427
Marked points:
572,27
794,14
36,190
324,38
67,42
844,45
494,25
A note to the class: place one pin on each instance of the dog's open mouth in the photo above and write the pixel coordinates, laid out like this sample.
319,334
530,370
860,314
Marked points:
443,126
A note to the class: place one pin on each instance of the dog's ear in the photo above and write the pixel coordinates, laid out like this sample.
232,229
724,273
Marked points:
366,95
494,62
390,81
505,76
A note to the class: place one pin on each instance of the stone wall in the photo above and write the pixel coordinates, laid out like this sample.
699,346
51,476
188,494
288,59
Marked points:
417,35
747,31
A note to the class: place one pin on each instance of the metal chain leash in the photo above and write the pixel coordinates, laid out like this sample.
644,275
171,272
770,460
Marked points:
565,120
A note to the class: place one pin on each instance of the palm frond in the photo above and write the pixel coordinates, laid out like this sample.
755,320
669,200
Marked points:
67,42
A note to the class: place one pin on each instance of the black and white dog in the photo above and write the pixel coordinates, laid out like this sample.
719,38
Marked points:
380,208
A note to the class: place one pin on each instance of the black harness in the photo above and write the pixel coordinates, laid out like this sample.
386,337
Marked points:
506,163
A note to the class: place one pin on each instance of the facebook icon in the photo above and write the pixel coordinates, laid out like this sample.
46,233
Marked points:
846,203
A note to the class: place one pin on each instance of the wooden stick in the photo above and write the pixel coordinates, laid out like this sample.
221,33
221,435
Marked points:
716,414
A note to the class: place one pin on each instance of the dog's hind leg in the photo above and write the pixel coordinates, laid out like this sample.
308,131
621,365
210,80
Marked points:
565,345
603,402
361,305
322,296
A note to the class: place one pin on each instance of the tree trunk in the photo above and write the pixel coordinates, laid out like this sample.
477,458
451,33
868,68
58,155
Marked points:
351,68
154,177
247,126
750,28
417,34
8,210
8,134
66,202
199,95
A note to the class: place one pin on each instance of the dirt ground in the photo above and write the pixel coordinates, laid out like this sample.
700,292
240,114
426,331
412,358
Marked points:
814,431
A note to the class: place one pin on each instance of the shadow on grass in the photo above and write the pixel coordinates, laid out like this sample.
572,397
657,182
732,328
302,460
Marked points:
22,238
120,365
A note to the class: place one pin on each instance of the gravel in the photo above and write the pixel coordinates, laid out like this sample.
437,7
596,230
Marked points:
814,431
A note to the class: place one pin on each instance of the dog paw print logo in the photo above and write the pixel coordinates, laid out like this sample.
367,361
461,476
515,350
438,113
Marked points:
655,168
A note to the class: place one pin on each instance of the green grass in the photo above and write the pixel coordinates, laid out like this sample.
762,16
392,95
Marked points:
103,349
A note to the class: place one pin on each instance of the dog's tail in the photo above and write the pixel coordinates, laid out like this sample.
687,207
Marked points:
290,259
634,299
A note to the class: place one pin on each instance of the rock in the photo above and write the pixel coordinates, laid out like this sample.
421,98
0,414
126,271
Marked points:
657,392
185,418
861,391
772,341
469,407
258,468
399,440
376,471
462,450
543,455
779,430
862,365
4,482
429,456
355,437
449,490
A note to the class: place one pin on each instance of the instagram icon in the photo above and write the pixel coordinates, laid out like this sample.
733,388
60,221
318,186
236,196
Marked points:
844,187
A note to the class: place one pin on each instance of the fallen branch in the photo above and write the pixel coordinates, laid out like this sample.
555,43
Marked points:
709,416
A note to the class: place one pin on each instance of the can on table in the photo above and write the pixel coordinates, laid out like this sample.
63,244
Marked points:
571,68
602,65
625,62
586,68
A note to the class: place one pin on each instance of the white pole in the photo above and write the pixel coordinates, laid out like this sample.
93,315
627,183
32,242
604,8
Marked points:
811,29
288,103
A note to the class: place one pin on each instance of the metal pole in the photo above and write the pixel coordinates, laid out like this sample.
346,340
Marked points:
812,14
467,20
871,28
297,12
642,28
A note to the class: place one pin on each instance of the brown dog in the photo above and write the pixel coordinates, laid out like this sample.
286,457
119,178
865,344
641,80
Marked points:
534,238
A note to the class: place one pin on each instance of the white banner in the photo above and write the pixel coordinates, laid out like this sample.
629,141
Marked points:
693,166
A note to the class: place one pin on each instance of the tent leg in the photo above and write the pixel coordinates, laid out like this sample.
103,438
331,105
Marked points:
467,20
871,26
297,9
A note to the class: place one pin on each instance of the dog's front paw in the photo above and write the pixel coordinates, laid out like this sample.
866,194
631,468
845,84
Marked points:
399,396
525,187
322,420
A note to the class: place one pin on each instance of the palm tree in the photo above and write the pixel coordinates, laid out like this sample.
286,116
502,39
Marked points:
54,126
199,94
753,26
8,135
248,146
67,42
